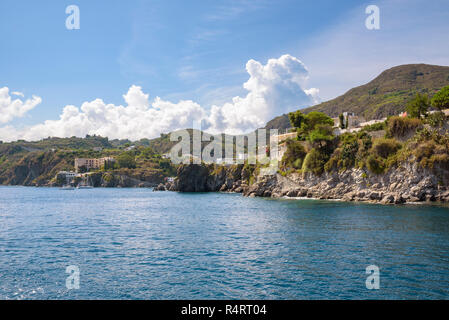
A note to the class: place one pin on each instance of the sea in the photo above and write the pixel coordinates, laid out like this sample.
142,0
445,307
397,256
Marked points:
117,243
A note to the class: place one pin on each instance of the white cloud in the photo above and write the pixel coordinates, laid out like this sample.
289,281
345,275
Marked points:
17,93
273,89
10,109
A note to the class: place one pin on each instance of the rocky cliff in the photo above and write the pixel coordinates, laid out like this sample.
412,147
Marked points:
207,178
404,183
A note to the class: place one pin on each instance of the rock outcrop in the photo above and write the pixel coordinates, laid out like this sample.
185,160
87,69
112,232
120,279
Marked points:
207,178
405,183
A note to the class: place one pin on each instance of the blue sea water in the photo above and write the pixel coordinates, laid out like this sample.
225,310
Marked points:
139,244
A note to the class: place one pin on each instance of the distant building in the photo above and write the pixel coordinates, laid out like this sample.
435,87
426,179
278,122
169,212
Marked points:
130,148
97,148
91,163
337,123
282,148
69,175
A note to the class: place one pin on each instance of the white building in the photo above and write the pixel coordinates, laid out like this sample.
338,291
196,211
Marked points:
69,175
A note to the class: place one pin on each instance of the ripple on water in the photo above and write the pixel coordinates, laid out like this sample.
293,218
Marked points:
136,244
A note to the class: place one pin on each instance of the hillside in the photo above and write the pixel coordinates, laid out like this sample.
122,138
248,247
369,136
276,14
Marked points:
387,94
384,96
37,163
280,122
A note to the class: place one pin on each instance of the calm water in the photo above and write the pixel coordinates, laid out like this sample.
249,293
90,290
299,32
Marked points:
139,244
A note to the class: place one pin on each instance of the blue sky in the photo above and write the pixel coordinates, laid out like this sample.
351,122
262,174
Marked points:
198,50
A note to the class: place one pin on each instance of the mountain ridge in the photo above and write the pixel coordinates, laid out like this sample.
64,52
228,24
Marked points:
385,95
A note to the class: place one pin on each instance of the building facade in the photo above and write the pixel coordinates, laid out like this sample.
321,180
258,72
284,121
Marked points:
91,163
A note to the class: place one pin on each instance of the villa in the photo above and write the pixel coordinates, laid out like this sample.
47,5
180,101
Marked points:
91,163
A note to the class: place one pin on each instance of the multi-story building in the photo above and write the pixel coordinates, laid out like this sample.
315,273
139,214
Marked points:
91,163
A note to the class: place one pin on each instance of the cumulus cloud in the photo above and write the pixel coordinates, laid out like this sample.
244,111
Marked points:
10,109
273,89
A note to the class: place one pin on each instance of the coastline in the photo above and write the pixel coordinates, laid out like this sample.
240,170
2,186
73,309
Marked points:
407,184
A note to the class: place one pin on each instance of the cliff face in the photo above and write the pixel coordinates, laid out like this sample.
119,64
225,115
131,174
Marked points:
41,170
32,170
112,180
405,183
206,178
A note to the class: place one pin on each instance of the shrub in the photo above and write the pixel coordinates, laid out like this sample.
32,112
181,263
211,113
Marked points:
401,126
441,99
333,161
321,135
294,155
126,160
375,127
418,106
314,162
375,164
441,160
436,119
424,150
386,147
298,163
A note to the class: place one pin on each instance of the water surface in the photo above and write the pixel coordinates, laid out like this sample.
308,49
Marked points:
139,244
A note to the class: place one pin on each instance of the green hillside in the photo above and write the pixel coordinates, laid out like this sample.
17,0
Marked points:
384,96
387,94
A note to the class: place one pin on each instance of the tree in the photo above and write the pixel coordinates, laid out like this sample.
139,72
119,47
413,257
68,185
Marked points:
418,106
441,99
294,155
342,120
314,118
126,160
296,118
321,135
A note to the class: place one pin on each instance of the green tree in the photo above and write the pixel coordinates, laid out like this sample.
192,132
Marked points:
294,155
127,160
296,118
321,135
342,120
314,162
441,99
314,118
418,106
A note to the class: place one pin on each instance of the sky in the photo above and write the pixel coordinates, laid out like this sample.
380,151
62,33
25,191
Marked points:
137,68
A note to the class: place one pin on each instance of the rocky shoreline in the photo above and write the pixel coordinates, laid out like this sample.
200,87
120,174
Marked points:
407,183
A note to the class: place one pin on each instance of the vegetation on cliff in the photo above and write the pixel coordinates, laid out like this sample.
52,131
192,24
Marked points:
386,95
37,163
422,137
